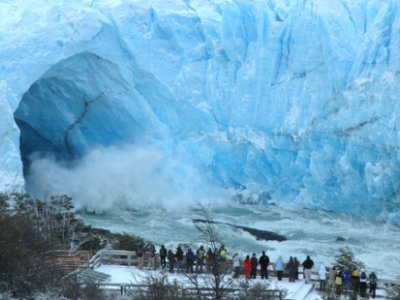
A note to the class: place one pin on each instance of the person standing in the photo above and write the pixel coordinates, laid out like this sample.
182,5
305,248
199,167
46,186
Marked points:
247,267
322,278
171,260
331,278
236,265
363,283
373,282
355,282
279,266
296,265
291,267
151,264
189,260
308,264
163,256
209,257
179,259
200,253
346,280
339,283
254,265
264,262
140,258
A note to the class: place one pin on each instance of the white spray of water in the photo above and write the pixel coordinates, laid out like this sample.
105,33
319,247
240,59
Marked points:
124,177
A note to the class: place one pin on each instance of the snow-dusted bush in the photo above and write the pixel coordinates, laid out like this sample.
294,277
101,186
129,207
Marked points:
345,259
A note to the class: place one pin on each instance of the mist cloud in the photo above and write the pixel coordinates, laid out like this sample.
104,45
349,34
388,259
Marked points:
123,177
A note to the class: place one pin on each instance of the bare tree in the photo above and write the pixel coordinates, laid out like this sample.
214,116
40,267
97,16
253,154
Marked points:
159,288
220,279
258,291
53,217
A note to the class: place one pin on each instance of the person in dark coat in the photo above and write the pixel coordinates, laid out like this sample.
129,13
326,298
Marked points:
363,283
209,258
296,266
179,259
189,260
355,282
163,256
264,262
308,264
373,282
254,265
171,260
291,267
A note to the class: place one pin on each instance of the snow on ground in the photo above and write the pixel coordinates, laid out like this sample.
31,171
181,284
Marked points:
121,275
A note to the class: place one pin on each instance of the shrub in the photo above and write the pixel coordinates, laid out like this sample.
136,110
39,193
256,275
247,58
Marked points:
345,260
127,242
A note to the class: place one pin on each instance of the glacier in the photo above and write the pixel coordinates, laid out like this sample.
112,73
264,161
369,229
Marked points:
290,102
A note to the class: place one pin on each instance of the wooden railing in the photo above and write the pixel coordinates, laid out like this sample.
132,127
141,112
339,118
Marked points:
69,260
113,257
207,293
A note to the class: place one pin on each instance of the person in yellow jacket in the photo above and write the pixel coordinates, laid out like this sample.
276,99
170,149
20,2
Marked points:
339,282
222,253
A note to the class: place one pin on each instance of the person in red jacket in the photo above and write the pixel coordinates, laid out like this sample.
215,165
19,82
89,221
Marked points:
247,267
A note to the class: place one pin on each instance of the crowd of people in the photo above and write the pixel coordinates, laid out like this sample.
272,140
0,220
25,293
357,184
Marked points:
178,260
346,281
200,261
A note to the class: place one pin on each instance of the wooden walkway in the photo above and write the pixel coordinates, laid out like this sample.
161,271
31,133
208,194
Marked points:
79,260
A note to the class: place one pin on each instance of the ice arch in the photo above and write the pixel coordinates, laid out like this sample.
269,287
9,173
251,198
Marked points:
79,103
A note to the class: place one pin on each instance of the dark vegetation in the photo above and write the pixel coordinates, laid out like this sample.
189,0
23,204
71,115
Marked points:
31,232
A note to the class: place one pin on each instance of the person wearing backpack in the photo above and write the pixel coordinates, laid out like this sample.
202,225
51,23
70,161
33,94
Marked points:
373,279
200,253
363,283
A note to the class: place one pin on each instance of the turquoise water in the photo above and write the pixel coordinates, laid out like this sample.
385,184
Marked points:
309,232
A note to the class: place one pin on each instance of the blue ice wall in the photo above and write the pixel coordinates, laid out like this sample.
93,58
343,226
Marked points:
296,100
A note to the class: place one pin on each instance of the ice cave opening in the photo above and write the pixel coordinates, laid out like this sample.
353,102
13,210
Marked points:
79,103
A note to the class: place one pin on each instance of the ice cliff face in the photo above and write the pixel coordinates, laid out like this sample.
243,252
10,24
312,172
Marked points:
291,101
